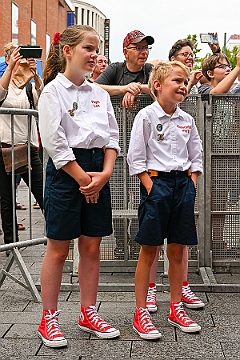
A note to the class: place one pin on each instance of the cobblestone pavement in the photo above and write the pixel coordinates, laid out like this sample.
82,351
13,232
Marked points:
20,316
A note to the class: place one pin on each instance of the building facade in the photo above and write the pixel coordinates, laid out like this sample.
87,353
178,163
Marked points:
234,40
33,22
87,14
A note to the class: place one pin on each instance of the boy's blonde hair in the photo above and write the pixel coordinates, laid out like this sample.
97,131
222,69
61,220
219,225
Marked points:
162,70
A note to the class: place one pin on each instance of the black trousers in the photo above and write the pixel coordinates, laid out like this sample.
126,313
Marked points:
6,193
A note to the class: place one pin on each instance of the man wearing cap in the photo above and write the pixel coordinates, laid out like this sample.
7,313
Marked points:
130,77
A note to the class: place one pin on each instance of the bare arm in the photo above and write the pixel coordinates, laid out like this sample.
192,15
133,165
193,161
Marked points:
146,181
6,78
225,85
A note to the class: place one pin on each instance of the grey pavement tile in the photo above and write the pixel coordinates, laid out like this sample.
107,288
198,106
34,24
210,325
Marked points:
4,328
91,349
18,348
189,349
231,349
226,303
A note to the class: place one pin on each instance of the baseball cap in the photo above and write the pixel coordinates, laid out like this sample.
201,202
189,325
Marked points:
135,37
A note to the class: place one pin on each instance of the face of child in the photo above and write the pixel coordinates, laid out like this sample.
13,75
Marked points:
185,56
81,60
220,71
173,90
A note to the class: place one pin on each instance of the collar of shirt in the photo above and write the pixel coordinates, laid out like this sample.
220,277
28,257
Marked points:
161,113
67,83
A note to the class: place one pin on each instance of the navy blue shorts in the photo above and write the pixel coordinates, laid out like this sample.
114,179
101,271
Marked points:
66,211
168,211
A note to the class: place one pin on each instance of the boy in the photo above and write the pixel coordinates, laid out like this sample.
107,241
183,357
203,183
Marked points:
217,70
164,149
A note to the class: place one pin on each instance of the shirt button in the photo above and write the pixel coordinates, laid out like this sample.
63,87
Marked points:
174,157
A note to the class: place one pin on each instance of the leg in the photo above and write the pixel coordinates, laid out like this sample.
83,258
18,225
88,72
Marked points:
142,324
177,316
36,177
185,263
51,274
88,275
88,269
175,271
151,301
145,261
7,204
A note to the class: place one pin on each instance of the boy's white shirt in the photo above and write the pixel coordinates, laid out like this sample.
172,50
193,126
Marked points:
180,149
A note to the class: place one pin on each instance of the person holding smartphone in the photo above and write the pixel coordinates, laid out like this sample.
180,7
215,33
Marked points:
11,96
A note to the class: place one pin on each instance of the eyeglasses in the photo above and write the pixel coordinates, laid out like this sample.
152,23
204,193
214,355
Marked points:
140,48
186,55
222,66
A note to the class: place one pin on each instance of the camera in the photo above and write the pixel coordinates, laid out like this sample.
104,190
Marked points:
30,51
209,38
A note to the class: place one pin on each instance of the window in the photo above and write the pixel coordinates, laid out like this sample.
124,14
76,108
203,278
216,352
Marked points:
33,33
82,17
76,14
14,23
88,17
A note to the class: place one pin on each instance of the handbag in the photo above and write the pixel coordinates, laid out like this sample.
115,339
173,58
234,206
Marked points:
20,159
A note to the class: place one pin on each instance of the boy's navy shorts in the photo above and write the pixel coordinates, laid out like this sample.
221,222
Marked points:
168,211
66,211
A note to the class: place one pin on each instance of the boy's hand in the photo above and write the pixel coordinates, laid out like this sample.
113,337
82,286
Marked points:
91,191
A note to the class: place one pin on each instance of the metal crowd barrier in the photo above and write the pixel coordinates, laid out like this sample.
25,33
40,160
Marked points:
217,206
15,255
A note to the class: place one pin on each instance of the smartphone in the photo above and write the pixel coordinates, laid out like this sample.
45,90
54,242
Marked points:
209,38
31,52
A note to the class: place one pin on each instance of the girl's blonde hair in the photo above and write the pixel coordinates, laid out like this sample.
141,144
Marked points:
162,70
56,61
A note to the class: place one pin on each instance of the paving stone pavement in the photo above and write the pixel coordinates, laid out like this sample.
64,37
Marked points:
20,316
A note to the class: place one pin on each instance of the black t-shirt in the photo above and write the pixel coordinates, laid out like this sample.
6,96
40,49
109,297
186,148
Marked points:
110,74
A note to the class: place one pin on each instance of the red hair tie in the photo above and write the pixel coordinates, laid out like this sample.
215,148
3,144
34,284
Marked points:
56,38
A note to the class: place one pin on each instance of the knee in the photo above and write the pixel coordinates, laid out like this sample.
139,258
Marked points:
175,253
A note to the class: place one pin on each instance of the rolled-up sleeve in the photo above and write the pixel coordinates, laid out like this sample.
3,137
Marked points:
52,133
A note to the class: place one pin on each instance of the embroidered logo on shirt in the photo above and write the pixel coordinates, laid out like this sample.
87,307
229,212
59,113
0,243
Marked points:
96,103
185,128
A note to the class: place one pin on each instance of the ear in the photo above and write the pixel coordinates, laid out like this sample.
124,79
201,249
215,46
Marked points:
67,50
172,58
157,85
125,53
210,74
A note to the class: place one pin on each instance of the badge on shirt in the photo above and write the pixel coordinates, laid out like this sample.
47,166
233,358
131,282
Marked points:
160,137
74,108
159,127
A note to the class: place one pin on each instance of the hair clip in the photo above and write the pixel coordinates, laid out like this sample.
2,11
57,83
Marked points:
56,38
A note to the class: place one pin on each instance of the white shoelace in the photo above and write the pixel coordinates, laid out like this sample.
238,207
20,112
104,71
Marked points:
151,295
52,324
187,292
145,320
182,314
95,319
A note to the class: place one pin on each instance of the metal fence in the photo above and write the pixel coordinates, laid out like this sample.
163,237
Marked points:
217,207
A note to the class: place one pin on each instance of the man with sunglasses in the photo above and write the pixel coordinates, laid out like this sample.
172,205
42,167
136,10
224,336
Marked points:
134,72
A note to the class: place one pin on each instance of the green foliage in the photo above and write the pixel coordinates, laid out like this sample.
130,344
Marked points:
231,54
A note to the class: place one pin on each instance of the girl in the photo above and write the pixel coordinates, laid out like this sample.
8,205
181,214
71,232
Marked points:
80,133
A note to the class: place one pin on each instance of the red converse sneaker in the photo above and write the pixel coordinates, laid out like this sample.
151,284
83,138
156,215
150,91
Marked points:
90,321
151,302
189,299
49,330
143,325
178,317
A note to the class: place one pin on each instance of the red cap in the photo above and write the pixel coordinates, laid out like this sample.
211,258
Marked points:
135,37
